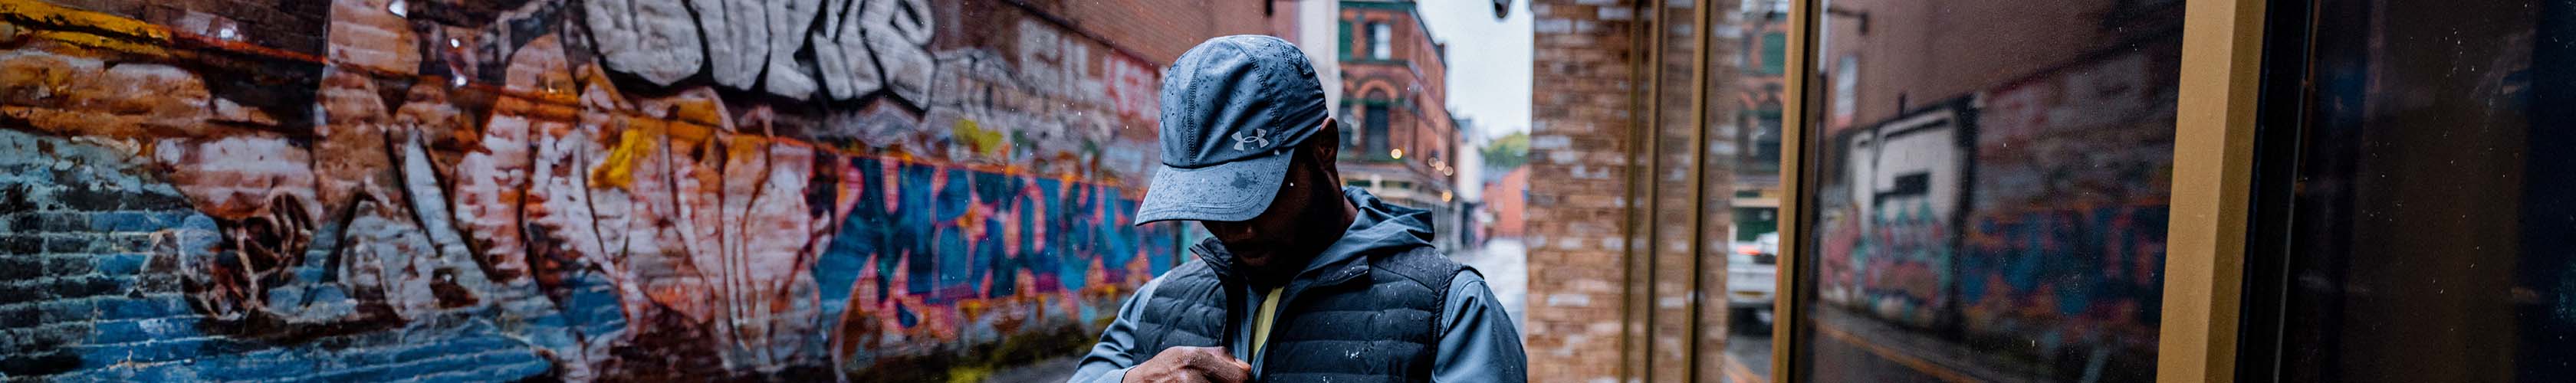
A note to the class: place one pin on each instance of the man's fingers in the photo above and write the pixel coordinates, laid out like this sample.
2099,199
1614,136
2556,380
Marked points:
1228,375
1202,364
1218,367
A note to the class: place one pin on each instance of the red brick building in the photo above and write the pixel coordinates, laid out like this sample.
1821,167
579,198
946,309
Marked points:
1759,86
1399,140
1508,198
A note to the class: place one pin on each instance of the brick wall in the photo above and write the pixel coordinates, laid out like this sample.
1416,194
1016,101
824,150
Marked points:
1632,217
1153,29
1582,114
439,190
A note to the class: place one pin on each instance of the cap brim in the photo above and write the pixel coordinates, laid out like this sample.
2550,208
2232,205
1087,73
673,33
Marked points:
1231,191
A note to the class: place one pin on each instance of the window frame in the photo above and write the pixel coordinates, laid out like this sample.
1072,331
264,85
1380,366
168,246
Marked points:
1381,40
2213,188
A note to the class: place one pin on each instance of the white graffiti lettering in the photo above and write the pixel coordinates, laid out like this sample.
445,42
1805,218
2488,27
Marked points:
864,46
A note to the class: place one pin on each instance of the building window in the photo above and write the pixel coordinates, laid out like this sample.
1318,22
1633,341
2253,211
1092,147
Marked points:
1846,92
1347,44
1764,157
1774,51
1373,132
1379,37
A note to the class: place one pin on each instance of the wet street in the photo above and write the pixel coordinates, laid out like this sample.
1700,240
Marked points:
1748,357
1505,264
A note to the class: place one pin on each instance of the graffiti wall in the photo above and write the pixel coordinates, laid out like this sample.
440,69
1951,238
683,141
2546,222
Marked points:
1904,183
442,190
2065,242
2027,220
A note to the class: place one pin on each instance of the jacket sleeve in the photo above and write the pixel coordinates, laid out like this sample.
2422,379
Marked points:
1478,341
1109,360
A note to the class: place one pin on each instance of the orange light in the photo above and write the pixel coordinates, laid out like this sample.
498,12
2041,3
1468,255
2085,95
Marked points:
1748,250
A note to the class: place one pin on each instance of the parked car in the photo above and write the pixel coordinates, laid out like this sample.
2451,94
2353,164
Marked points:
1752,271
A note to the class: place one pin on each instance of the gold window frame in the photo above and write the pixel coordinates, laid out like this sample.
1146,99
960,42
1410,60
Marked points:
2212,179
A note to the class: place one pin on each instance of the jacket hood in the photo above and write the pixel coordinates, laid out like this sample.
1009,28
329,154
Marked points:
1377,228
1380,228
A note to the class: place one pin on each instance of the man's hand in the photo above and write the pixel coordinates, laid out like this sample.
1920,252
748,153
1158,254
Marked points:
1190,365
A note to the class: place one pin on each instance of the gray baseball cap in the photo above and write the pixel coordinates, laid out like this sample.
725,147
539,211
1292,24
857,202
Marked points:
1234,108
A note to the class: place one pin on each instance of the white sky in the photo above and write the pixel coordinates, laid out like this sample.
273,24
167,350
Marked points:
1489,62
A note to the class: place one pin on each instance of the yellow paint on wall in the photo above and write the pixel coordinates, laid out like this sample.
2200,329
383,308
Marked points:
619,169
42,14
982,141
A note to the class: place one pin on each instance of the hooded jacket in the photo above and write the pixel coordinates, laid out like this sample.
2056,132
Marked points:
1469,338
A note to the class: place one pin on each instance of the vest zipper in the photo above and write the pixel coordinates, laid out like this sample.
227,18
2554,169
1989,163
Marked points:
1237,292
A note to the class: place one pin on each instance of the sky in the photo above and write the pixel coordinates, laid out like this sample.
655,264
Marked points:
1489,62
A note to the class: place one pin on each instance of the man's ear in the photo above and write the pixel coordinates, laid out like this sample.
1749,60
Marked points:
1325,147
1327,141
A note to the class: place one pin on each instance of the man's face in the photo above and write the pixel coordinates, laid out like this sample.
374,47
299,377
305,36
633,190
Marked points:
1258,242
1286,229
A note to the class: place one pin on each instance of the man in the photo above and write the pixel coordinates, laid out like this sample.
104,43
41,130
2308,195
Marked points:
1305,281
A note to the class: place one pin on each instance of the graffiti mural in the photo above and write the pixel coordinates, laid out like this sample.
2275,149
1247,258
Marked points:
575,190
2027,220
1891,249
2064,244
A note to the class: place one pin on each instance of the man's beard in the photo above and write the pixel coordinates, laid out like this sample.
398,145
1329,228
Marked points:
1289,256
1275,274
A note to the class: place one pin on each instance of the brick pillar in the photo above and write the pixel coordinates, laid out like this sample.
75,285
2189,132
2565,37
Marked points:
1606,303
1584,109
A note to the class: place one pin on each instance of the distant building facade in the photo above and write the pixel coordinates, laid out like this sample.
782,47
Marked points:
1398,138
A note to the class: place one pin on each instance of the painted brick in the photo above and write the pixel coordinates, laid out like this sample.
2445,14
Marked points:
38,364
18,316
12,221
62,221
72,243
149,307
129,242
119,264
15,198
111,199
21,267
18,292
122,221
24,244
115,333
69,265
356,190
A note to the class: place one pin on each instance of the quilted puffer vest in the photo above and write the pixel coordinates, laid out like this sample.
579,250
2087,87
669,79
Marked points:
1370,319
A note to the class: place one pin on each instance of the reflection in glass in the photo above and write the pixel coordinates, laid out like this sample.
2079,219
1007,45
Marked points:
1752,106
2429,236
1990,186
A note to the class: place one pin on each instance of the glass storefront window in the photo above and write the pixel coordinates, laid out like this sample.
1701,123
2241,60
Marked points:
1989,183
2427,231
1746,110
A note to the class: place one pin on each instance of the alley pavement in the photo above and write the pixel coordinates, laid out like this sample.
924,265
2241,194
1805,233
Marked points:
1505,264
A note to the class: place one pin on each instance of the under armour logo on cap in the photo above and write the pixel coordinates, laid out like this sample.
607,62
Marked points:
1256,139
1232,107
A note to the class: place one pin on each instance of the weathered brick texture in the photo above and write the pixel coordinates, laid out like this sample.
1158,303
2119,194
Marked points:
621,190
1636,141
1585,90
